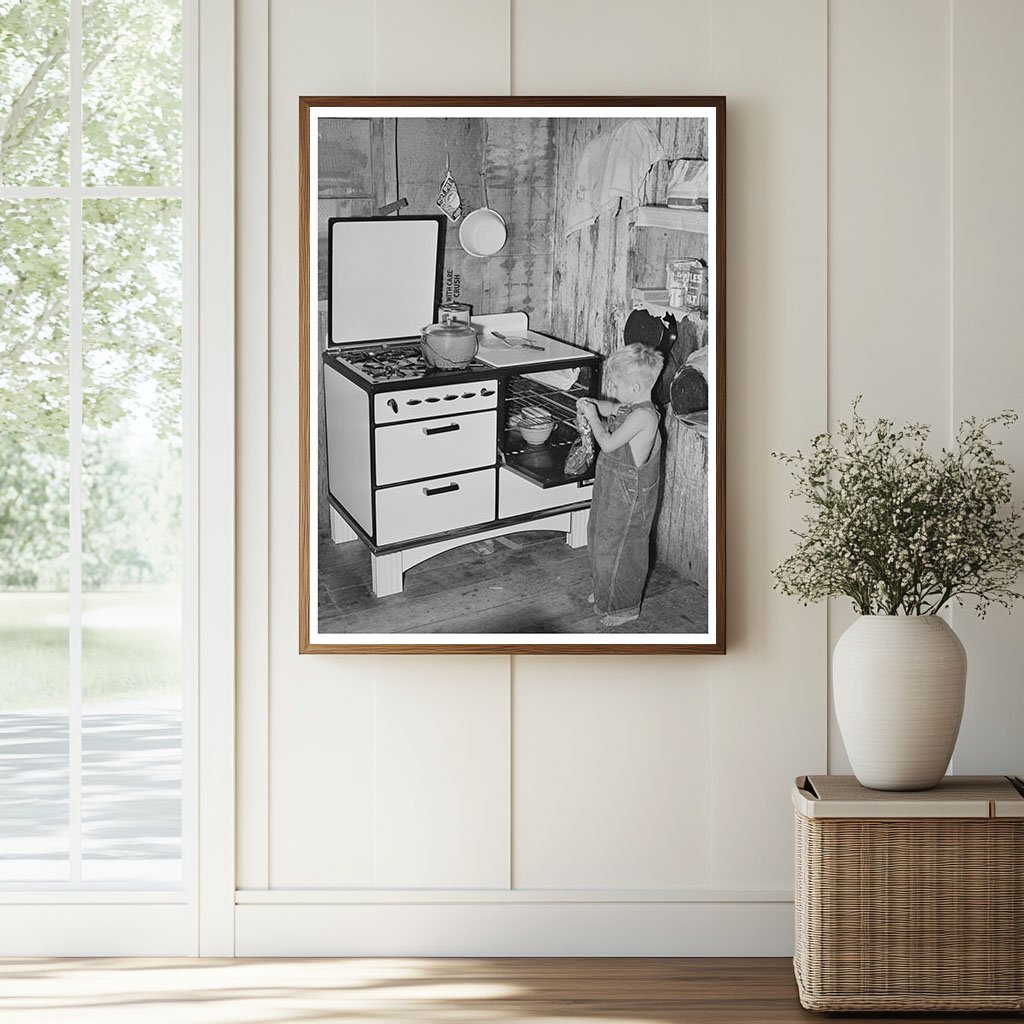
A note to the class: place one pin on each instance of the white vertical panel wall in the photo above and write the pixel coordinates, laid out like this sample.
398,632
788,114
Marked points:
987,365
768,693
579,48
627,805
343,741
925,272
612,775
454,48
889,299
441,774
317,822
252,408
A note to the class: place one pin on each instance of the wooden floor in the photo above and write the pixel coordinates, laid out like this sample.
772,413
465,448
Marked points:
524,583
387,991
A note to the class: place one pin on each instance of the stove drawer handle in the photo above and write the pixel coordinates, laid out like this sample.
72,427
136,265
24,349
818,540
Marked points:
431,491
446,429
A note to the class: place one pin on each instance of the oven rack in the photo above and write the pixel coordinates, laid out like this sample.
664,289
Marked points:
522,392
542,464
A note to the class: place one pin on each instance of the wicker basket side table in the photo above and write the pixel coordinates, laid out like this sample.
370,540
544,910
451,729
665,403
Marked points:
910,901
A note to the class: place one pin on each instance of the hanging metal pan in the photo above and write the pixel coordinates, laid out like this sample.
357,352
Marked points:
483,232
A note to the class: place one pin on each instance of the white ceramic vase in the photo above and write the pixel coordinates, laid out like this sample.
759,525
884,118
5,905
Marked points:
898,684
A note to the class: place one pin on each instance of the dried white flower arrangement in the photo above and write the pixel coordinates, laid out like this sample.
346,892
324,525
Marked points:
900,530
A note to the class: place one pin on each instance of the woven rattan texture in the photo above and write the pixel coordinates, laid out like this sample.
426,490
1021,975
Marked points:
959,787
916,914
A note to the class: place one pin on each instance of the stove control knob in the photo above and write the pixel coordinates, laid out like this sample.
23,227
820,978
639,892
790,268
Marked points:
486,392
392,405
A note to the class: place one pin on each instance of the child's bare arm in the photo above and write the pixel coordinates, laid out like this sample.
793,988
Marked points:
635,423
604,407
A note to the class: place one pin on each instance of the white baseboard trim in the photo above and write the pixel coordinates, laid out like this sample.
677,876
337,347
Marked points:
333,897
520,928
89,929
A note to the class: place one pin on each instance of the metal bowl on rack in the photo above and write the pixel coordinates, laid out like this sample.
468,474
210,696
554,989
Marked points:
537,434
535,424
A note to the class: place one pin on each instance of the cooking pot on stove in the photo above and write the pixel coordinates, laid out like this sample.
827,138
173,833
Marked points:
449,345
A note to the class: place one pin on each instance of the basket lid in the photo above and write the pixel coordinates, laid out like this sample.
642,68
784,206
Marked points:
957,796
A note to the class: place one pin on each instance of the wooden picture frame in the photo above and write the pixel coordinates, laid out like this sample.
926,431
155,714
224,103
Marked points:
376,499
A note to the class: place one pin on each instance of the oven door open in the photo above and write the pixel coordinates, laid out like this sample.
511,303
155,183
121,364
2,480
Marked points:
534,398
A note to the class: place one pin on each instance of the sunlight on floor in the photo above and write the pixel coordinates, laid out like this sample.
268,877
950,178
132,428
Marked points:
163,991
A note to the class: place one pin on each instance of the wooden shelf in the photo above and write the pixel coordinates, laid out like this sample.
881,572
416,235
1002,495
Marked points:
673,218
655,300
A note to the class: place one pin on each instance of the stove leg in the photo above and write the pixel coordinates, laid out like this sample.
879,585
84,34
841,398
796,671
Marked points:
340,530
386,571
577,535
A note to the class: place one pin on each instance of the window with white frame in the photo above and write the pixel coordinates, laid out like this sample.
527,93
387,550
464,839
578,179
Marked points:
94,460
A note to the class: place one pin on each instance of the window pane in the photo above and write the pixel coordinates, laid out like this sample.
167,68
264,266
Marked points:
131,541
33,92
33,540
131,92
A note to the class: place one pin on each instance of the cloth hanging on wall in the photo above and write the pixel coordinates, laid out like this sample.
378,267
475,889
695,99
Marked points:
688,185
612,170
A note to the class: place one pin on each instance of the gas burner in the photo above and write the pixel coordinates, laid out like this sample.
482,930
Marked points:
383,363
386,362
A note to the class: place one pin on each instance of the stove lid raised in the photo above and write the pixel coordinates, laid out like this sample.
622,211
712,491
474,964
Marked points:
383,276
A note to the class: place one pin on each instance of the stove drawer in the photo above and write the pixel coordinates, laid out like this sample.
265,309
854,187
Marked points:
412,451
517,497
434,506
440,400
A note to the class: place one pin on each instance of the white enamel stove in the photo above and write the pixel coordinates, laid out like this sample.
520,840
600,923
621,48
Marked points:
414,455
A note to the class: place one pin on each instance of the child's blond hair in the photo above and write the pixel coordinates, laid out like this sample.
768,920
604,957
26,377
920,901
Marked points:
638,363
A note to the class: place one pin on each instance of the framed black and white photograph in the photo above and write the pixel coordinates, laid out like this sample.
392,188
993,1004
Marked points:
512,386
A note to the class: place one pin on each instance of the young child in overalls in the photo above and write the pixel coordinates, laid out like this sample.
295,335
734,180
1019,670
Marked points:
626,481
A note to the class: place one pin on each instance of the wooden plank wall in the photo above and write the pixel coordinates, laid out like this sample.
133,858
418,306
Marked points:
518,158
595,270
681,531
364,165
596,267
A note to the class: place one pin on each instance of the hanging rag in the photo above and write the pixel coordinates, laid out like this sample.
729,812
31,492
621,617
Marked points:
688,185
612,170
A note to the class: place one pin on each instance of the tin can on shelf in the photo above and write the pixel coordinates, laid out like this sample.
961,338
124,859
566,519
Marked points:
686,279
